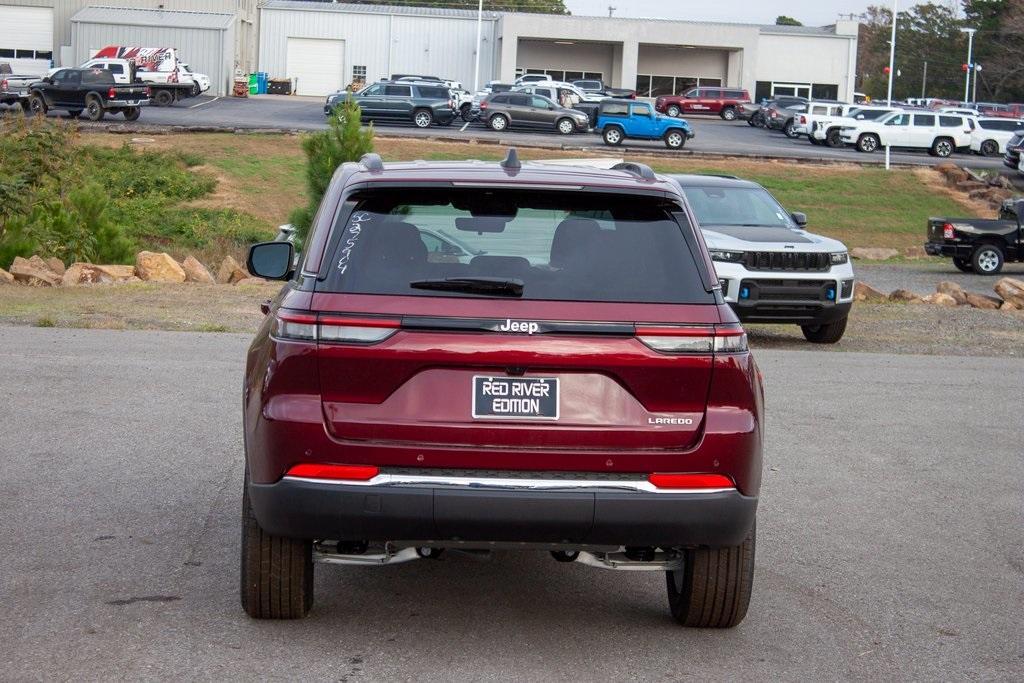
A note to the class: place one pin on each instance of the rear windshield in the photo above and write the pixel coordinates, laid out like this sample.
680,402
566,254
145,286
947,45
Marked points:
555,246
97,75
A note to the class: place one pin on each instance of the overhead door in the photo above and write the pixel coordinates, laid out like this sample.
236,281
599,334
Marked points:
318,66
26,38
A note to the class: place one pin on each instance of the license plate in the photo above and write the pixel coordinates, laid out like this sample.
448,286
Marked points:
132,102
515,398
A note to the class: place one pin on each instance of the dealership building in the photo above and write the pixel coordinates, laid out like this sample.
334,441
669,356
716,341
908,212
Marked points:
324,46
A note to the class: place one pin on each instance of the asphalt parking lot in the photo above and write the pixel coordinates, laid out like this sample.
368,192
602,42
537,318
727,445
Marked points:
889,546
713,135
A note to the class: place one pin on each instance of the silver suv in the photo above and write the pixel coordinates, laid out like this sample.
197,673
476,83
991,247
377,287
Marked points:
518,109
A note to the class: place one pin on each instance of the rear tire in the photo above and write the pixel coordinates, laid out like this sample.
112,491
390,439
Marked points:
987,259
37,105
613,136
498,122
829,333
466,113
790,130
94,109
942,148
276,572
729,114
963,266
131,113
163,98
811,139
566,126
423,118
989,148
713,589
834,138
196,90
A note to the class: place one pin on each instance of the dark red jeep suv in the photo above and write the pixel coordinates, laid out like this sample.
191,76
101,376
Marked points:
476,356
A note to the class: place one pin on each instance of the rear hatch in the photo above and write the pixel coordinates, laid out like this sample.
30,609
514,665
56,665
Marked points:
512,322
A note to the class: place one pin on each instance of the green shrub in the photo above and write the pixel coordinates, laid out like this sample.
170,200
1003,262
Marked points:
345,140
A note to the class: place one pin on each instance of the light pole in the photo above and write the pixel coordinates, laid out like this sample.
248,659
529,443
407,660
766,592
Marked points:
970,65
892,51
479,40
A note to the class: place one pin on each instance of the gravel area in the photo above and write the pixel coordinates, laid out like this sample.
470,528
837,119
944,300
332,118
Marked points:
922,276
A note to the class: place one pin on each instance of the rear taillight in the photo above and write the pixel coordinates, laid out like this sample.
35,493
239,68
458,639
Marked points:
148,91
948,232
697,339
111,94
803,119
483,105
333,472
3,84
669,480
333,329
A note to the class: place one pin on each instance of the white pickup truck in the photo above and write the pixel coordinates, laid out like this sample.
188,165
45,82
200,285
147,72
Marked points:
826,129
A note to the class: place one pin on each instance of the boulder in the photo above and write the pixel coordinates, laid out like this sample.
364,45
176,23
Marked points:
230,272
954,290
862,291
905,296
940,299
970,185
91,274
55,264
158,267
956,176
251,281
1007,306
946,166
874,253
1010,289
6,278
914,252
34,271
981,301
196,271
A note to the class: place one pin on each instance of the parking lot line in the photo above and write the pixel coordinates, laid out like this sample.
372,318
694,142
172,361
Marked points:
206,102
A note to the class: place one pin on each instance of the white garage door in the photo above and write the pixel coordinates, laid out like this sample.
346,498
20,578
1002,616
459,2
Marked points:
26,38
318,65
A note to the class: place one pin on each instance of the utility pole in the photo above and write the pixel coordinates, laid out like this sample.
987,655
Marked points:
970,64
611,10
479,40
974,90
892,51
924,81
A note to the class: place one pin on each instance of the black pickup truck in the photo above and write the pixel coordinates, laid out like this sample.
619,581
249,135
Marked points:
980,245
90,90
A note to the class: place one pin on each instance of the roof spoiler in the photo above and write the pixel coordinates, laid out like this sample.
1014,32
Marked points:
372,162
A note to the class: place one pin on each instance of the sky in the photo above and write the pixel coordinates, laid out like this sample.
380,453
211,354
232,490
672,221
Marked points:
810,12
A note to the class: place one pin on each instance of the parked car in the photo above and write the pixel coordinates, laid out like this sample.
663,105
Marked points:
14,89
963,111
529,399
424,104
618,120
940,134
565,94
90,90
818,109
532,78
1014,150
828,129
978,245
758,114
770,267
991,134
200,82
597,87
783,119
724,102
521,110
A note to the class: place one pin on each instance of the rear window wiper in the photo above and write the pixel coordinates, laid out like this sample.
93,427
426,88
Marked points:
473,285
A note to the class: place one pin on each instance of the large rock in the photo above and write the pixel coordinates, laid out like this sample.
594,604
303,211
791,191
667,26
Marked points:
1007,306
914,252
874,253
970,185
91,274
34,271
957,175
158,267
940,299
55,264
905,296
230,272
954,290
981,301
196,271
6,278
862,291
251,281
1010,289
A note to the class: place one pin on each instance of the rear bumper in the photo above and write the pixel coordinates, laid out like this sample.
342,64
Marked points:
943,249
598,515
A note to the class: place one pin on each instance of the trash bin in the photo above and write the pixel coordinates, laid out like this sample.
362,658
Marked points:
279,86
261,81
254,84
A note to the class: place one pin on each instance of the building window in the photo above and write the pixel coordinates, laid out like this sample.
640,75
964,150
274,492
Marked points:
359,73
43,55
25,54
825,91
655,86
4,52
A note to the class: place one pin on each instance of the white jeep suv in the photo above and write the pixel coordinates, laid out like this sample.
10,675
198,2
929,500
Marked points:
770,268
940,134
827,129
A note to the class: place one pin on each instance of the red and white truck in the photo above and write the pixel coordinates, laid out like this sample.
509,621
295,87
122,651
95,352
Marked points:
158,67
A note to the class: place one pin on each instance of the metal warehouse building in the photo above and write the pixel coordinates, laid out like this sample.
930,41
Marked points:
326,46
36,33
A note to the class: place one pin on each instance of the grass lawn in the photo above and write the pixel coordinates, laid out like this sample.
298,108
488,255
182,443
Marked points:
260,179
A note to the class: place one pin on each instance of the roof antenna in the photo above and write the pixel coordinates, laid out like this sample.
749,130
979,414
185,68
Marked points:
511,160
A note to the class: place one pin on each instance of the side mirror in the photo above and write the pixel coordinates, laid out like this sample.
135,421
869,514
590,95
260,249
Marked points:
271,260
1019,208
800,218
